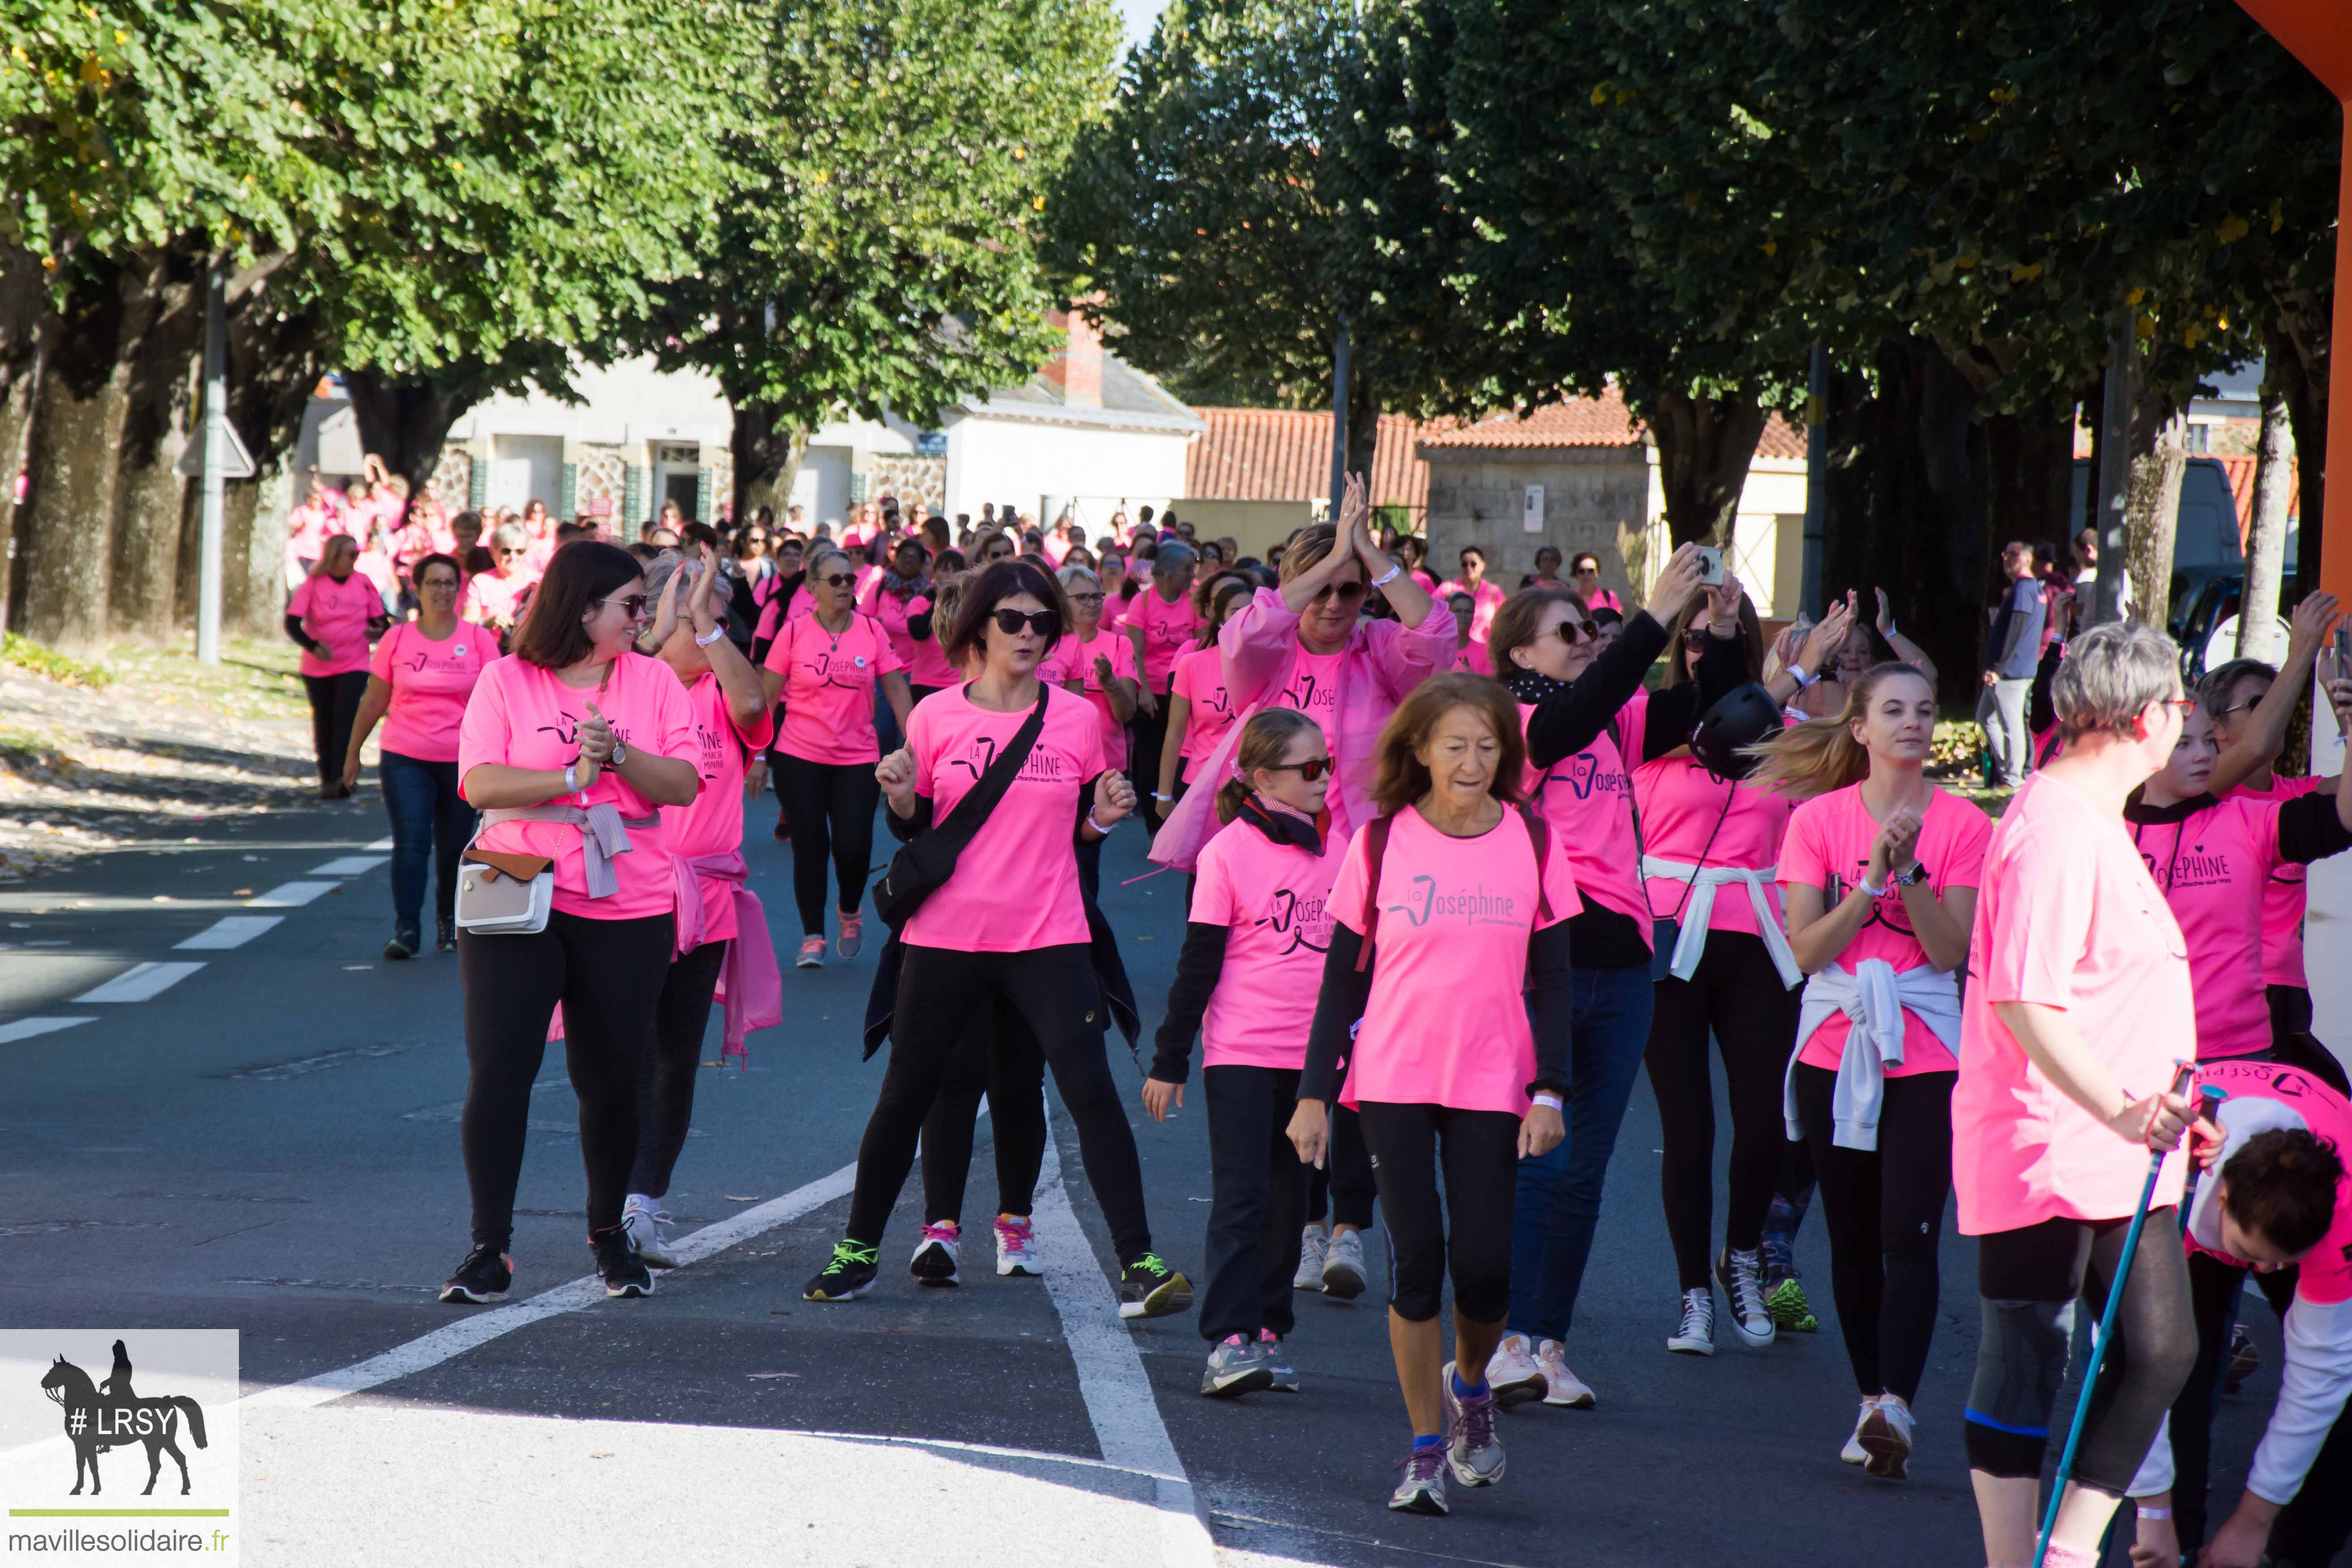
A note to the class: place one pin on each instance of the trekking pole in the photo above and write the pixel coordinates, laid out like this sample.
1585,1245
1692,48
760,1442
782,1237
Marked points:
2183,1074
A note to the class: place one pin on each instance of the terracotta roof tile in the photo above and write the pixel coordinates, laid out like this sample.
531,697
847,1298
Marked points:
1280,454
1601,421
2240,471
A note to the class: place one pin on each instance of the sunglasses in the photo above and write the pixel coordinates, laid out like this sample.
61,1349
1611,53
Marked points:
1045,623
839,580
1586,631
1085,599
632,606
1310,770
1345,593
1694,634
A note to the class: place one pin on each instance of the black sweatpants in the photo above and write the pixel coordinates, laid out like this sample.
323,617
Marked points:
608,974
2029,1282
1884,1210
945,997
1480,1150
1343,1184
1005,1064
1253,1243
665,1087
829,810
334,709
1148,733
1736,995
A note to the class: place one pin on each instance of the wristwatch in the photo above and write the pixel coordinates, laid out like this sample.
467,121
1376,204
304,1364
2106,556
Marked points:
1911,878
620,754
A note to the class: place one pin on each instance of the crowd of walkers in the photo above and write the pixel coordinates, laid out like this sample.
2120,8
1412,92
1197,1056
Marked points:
1459,862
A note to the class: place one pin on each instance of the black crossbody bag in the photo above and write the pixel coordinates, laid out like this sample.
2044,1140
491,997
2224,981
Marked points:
925,862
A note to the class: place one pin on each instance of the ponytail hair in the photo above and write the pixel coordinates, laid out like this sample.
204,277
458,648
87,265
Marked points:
1265,740
1821,755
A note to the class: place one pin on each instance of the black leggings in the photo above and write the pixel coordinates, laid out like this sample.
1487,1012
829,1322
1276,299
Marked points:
1736,994
1343,1184
946,997
608,974
1151,733
1253,1241
665,1087
1481,1152
1884,1210
1005,1063
334,709
2029,1280
829,809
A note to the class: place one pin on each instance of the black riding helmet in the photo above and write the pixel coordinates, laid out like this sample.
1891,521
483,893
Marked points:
1738,720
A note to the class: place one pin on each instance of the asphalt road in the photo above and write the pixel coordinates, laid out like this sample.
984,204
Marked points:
269,1144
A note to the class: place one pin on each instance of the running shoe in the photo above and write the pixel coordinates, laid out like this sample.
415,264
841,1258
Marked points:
1695,1334
625,1274
934,1262
1472,1452
1312,1245
485,1276
1421,1482
1513,1374
1017,1247
1854,1453
1741,1275
1789,1309
1147,1287
1561,1386
1285,1376
1886,1436
1236,1366
404,943
642,1221
853,934
2245,1358
445,934
846,1276
1343,1265
812,953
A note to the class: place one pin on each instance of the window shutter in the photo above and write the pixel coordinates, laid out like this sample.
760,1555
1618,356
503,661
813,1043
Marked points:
568,493
701,496
478,484
632,501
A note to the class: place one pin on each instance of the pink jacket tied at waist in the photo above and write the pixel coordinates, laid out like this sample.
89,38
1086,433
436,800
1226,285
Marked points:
1384,661
750,985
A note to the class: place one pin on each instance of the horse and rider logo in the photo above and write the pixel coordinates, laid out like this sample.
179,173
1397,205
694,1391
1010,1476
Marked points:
100,1416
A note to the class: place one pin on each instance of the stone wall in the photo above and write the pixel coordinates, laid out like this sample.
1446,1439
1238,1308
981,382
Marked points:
909,479
1595,498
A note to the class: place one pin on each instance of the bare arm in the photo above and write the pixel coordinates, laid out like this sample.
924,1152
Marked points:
1121,692
2050,1041
1180,719
373,702
899,695
2264,736
1818,933
491,785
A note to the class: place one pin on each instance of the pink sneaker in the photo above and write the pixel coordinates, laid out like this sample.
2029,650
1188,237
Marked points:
812,953
934,1262
1017,1247
853,930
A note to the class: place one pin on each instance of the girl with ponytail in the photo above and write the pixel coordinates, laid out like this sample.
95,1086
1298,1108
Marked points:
1246,979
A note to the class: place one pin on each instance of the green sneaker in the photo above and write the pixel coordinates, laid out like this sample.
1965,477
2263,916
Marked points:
848,1275
1147,1287
1789,1309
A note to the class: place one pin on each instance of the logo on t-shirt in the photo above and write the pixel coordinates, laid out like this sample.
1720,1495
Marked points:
1309,695
713,743
1885,910
2192,867
1307,921
833,667
1476,906
1582,773
1041,767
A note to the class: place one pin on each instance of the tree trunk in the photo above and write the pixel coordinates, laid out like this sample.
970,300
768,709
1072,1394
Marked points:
2295,349
2151,510
405,423
1705,447
1363,429
766,459
2033,454
150,494
2266,538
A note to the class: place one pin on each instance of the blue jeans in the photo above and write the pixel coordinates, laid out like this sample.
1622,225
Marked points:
1559,1203
430,825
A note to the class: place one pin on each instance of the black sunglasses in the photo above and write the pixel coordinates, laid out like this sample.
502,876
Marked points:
1045,623
1310,770
1587,629
632,605
1346,593
839,580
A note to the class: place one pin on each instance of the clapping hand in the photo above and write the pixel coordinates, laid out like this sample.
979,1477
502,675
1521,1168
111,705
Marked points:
596,737
1114,798
1823,641
895,774
1897,845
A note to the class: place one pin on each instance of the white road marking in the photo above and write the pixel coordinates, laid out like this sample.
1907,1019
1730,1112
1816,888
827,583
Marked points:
349,865
380,843
27,1029
229,930
142,983
1119,1398
288,896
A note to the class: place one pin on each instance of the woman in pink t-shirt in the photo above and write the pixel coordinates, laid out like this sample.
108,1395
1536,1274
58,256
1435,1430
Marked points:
1584,576
1485,597
333,617
1440,954
903,599
497,598
1199,711
1009,940
1878,874
1099,665
418,682
1164,623
569,749
827,666
2077,1010
1254,938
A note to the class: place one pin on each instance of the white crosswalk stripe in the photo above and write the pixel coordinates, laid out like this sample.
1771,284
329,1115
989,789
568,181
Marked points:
288,896
30,1028
229,930
349,865
142,983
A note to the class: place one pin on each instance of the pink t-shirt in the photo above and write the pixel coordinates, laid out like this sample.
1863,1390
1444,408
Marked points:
308,528
1828,847
713,825
2282,895
1275,901
1015,886
336,613
522,716
775,611
2068,917
495,598
1683,808
1472,659
430,682
1485,599
829,688
2283,1097
1072,660
920,657
2215,868
1168,631
1446,1022
1314,690
1588,801
422,537
1201,681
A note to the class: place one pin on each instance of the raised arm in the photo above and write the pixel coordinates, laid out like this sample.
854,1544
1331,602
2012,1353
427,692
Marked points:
2264,735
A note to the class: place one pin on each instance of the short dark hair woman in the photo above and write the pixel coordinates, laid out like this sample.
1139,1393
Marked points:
333,617
568,749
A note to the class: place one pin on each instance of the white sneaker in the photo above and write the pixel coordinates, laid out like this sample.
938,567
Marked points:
1695,1334
1854,1453
1741,1275
1512,1373
1343,1265
934,1262
1017,1248
641,1222
1561,1386
1472,1450
1886,1434
1312,1245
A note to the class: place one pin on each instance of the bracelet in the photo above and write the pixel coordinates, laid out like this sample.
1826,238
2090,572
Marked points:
2156,1513
571,777
1098,827
1802,680
715,632
1546,1097
1387,577
1865,885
